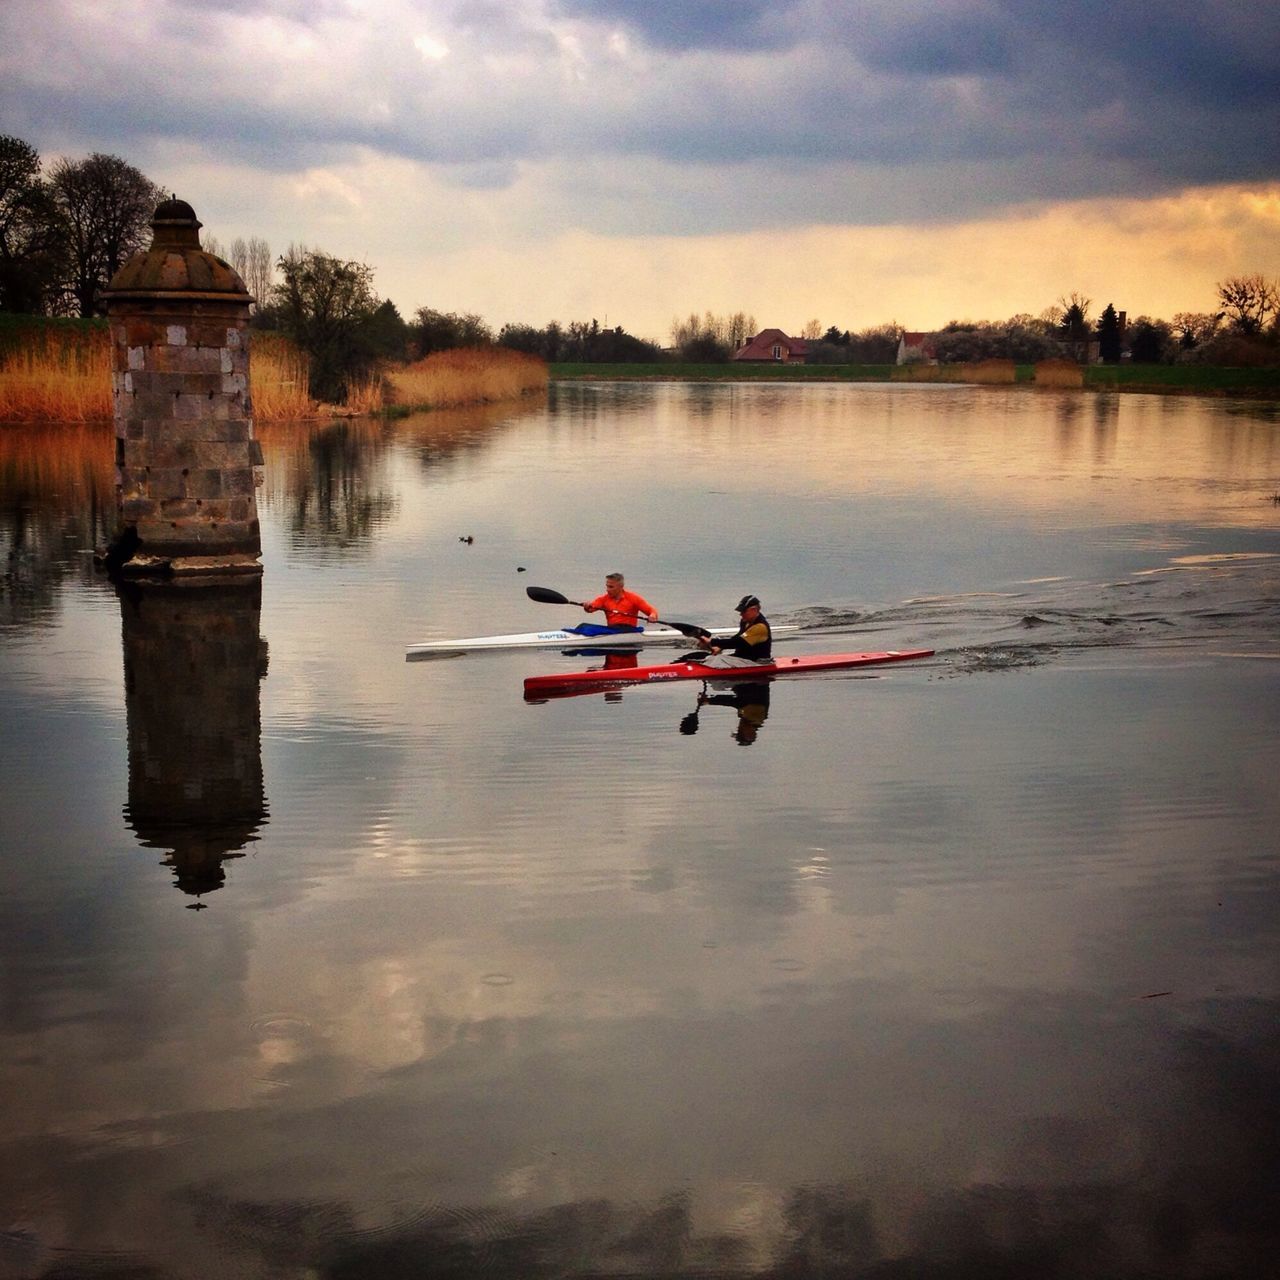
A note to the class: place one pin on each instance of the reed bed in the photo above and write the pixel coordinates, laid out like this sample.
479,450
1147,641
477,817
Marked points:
989,371
62,373
465,376
57,373
278,374
975,371
365,398
1059,373
917,371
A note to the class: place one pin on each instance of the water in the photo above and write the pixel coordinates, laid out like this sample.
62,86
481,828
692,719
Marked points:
962,967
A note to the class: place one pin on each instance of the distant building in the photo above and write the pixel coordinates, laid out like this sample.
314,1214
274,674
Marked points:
917,346
774,345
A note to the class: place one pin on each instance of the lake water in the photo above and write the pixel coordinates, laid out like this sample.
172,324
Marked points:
318,962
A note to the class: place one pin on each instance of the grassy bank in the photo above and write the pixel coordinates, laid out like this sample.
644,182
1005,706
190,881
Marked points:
1186,379
1194,379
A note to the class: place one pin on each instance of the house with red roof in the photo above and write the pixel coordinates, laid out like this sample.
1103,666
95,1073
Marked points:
916,346
775,346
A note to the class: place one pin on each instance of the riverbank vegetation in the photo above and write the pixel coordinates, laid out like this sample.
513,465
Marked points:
54,371
60,371
1185,379
465,376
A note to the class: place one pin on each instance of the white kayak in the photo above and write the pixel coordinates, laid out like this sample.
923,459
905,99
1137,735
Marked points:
573,640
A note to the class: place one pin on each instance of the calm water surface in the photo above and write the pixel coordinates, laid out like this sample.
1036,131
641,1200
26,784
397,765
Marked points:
317,962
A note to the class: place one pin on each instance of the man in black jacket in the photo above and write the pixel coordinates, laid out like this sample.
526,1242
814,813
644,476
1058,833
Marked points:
752,645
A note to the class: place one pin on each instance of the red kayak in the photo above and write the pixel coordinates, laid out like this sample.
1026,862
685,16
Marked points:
697,671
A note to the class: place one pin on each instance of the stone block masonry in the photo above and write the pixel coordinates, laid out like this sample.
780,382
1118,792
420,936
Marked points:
187,463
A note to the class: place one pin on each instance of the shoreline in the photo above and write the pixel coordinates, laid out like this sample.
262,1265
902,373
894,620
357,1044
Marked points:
1208,381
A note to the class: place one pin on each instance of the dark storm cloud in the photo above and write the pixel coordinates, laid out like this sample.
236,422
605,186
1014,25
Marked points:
1213,54
708,24
1037,99
939,44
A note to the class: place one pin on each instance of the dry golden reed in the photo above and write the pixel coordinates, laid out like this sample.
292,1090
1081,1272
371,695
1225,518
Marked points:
278,374
979,371
63,374
989,371
1059,373
918,371
467,375
60,374
366,397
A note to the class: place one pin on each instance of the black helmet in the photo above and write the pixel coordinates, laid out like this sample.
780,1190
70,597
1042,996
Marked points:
746,602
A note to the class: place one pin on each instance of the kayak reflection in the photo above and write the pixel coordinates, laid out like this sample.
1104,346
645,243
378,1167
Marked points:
750,698
751,701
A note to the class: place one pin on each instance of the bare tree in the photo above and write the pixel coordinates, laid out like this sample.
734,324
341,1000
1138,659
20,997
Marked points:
742,328
1075,315
710,332
1248,302
211,244
1074,326
812,330
105,206
238,257
1194,328
259,274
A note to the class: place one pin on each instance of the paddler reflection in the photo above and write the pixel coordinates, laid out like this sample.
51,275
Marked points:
751,701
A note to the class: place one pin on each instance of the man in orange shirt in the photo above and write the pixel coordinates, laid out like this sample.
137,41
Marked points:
621,608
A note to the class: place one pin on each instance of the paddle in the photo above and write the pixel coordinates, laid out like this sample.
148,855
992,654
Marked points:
689,723
544,595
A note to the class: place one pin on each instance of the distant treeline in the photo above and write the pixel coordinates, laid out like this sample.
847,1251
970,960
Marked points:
64,234
1243,331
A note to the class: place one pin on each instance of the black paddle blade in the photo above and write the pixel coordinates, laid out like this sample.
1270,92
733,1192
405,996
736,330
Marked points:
544,595
686,629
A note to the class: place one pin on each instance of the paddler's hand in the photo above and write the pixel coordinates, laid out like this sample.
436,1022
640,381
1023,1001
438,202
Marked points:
587,608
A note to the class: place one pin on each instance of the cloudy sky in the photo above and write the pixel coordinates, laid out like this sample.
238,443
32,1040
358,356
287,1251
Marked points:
853,161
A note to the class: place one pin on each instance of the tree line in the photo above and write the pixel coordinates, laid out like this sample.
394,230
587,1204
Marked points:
1244,330
64,235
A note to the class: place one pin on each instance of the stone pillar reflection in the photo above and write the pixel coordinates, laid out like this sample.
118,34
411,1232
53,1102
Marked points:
193,663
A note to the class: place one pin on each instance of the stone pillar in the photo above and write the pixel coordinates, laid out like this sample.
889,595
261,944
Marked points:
187,463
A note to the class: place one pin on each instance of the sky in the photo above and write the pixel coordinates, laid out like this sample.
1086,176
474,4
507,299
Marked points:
849,161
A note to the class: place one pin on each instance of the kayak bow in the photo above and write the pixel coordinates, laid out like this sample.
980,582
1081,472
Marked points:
698,671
